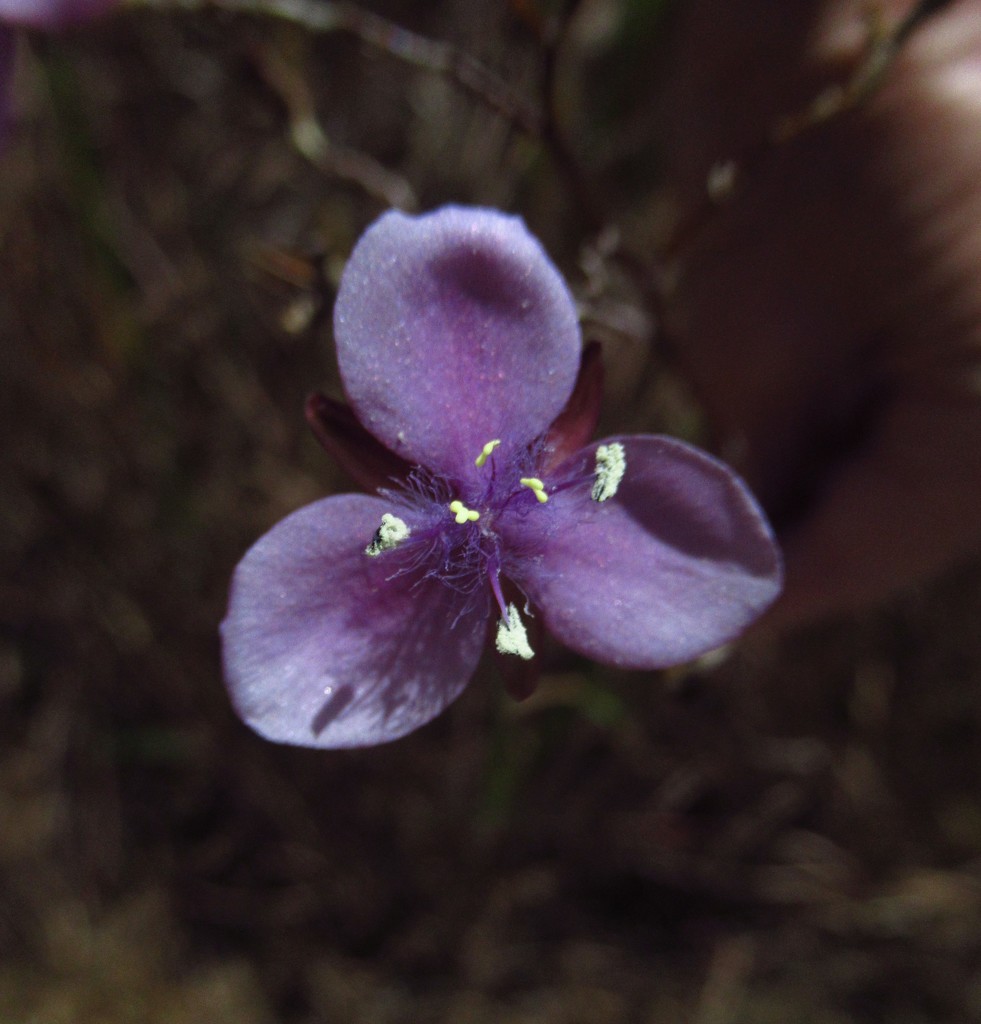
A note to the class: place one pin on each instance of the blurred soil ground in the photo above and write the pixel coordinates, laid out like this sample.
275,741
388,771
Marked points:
793,835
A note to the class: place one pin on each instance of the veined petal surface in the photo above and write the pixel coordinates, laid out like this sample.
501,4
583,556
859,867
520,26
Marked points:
454,328
679,562
321,649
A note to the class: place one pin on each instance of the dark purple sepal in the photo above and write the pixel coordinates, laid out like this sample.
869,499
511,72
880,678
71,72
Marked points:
575,426
362,456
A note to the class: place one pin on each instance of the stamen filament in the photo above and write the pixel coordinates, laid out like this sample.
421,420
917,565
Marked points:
495,582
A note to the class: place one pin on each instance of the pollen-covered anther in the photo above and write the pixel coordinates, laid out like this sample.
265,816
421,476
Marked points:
536,486
463,514
611,464
485,453
512,638
390,534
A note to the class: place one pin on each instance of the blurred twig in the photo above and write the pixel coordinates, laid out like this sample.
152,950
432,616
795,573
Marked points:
437,57
311,141
883,47
440,58
726,175
552,35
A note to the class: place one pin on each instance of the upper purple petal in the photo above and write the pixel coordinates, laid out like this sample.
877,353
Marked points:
52,14
678,563
454,329
322,649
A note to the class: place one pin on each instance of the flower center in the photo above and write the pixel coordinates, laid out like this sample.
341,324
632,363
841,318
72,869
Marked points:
467,559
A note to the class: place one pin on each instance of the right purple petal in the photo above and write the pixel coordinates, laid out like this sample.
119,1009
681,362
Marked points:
323,648
679,562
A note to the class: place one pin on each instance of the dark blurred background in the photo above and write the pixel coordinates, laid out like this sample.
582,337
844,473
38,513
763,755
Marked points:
790,833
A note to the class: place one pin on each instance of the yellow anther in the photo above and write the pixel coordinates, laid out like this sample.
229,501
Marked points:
462,513
512,637
611,464
389,535
537,487
485,453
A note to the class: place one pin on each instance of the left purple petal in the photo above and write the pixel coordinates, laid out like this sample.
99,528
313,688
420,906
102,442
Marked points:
52,14
454,329
320,649
678,563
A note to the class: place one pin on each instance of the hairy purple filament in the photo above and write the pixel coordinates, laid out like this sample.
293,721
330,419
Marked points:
465,555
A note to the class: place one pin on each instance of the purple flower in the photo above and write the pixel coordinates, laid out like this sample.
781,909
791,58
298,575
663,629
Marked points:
360,617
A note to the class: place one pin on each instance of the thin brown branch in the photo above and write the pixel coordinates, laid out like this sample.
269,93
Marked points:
726,176
311,141
552,131
435,56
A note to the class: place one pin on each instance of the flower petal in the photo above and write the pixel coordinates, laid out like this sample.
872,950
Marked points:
322,650
679,562
453,329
